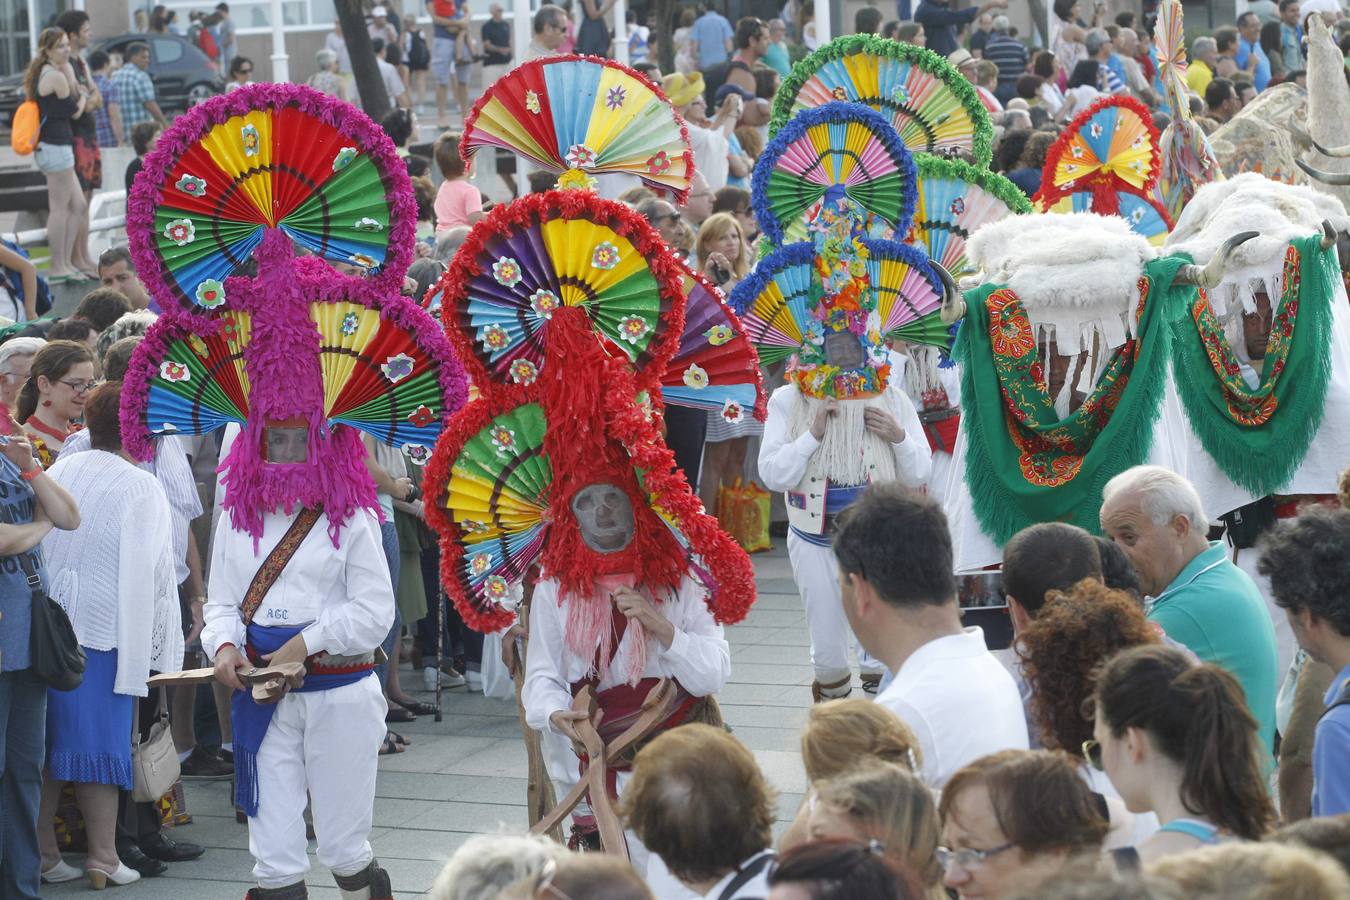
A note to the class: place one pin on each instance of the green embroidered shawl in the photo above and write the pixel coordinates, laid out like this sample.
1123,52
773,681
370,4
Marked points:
1259,437
1024,464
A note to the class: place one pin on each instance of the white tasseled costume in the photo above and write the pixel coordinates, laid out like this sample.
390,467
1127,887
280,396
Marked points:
1077,276
114,575
840,457
1280,212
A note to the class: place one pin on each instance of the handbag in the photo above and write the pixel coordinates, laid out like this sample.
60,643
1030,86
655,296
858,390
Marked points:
154,761
55,654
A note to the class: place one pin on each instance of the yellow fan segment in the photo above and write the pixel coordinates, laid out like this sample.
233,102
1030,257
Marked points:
572,246
242,147
337,330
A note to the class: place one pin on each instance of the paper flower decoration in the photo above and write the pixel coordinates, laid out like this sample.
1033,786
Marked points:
732,412
495,337
174,371
418,454
344,158
579,156
696,377
496,589
544,303
633,328
422,416
524,372
210,294
507,271
532,102
504,440
350,323
576,180
480,563
252,142
366,223
958,206
659,163
605,256
719,335
192,185
397,367
181,231
614,99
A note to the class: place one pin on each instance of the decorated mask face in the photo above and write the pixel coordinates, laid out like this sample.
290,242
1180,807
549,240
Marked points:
604,516
286,443
842,349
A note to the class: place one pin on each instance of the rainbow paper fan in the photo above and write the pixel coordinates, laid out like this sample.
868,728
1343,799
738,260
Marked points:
549,253
1112,144
931,106
775,302
199,382
715,367
838,148
1145,215
954,200
497,498
592,115
1169,35
267,156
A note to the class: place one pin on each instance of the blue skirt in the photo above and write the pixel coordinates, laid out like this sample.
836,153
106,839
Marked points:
89,728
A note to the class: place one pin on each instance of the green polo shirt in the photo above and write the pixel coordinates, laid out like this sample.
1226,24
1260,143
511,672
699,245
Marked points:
1216,611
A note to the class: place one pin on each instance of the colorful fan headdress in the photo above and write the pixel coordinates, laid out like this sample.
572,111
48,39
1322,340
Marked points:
833,151
581,116
299,339
955,199
1188,161
1106,162
568,310
931,106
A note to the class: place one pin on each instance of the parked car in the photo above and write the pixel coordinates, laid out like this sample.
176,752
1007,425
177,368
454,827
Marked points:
182,74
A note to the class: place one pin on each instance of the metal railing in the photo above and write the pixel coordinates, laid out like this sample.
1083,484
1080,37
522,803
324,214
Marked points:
114,202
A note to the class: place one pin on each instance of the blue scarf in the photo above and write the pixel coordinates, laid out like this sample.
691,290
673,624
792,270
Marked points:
252,719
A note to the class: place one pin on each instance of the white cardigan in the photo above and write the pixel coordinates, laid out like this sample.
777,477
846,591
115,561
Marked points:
114,575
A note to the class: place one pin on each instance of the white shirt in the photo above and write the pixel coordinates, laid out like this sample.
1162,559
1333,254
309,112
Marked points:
341,595
960,703
782,463
174,473
710,146
393,82
753,889
698,657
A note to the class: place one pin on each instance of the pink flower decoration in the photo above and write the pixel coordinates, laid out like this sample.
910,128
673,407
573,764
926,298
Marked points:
658,164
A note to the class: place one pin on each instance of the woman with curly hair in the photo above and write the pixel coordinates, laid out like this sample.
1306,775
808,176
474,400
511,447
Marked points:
1061,650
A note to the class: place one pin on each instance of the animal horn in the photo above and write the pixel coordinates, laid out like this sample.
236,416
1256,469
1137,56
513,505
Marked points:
1335,152
953,304
1301,136
1337,178
1211,273
1328,234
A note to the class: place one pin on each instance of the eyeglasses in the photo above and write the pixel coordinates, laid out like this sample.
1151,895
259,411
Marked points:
967,858
1092,752
82,387
245,71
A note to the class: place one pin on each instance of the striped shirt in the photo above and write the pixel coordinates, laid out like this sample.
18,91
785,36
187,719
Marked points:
134,89
1009,54
105,86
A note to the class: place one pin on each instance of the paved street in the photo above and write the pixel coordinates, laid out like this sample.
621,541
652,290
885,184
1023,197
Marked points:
466,775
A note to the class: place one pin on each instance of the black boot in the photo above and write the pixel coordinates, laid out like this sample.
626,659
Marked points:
371,883
296,891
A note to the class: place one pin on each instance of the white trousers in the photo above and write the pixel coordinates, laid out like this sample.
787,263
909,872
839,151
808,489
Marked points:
817,575
326,743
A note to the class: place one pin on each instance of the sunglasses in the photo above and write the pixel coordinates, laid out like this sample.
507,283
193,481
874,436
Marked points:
245,71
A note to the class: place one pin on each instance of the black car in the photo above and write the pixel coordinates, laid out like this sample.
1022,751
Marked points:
182,74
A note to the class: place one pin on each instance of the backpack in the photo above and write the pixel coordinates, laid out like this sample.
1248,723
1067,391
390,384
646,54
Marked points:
207,42
419,56
23,135
14,282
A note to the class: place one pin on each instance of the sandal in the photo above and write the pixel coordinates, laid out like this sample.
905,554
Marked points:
399,714
400,739
390,746
417,707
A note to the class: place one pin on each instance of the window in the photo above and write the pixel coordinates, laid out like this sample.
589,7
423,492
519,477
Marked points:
164,51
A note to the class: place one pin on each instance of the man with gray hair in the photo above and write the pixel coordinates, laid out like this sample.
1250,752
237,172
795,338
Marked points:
1098,44
1009,54
1127,47
1195,593
16,357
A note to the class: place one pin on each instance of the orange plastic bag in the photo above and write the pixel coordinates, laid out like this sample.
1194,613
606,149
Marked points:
743,512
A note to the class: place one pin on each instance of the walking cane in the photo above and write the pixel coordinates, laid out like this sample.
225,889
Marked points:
440,638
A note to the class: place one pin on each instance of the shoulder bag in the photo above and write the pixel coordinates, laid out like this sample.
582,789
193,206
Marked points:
55,654
154,761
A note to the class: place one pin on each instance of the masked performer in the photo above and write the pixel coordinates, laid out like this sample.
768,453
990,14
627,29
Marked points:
304,359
